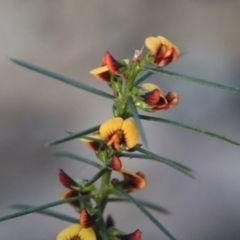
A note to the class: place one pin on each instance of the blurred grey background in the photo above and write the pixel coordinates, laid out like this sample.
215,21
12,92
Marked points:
71,37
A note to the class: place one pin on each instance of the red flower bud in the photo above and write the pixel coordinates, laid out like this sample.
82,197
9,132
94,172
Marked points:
87,220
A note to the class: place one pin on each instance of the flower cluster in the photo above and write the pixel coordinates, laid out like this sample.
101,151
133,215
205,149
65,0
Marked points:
115,137
118,138
148,97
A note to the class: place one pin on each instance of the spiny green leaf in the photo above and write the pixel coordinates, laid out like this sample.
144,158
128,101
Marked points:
50,213
142,77
143,202
62,78
137,121
73,136
192,79
211,134
148,214
78,158
96,177
178,166
42,207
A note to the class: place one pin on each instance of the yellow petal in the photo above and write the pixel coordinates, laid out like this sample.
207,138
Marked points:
163,40
152,43
110,127
99,70
150,87
69,194
166,42
130,133
76,232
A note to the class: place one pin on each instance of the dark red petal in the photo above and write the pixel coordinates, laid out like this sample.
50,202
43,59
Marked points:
152,97
166,57
172,99
66,180
87,220
136,235
93,145
112,64
105,76
70,194
103,62
132,183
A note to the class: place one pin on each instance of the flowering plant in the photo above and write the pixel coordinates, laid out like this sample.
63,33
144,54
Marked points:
118,137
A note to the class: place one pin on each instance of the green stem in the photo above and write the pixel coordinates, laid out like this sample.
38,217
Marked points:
101,201
104,190
122,101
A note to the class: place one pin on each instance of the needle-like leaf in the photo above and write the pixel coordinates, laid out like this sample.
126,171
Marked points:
143,202
142,77
192,79
211,134
62,78
50,213
78,158
152,157
178,166
137,121
73,136
94,139
96,177
148,214
42,207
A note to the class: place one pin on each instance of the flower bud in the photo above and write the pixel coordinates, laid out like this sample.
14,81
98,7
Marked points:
87,220
116,163
153,98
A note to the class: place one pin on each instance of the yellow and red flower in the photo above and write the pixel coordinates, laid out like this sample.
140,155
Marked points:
91,143
119,131
69,194
154,97
162,50
108,65
77,232
132,181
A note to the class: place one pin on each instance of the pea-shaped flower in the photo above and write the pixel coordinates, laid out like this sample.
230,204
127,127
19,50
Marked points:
162,51
108,65
154,97
94,145
119,131
77,232
132,181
